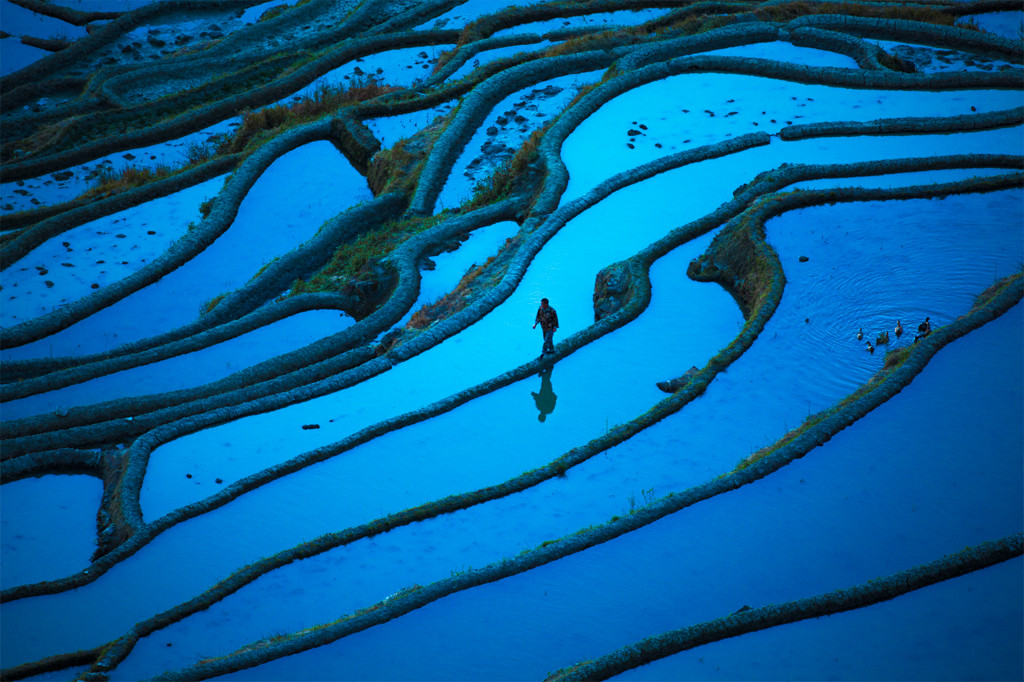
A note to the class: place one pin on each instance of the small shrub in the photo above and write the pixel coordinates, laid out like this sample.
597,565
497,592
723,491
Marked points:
206,207
969,24
894,357
444,58
273,12
198,152
209,305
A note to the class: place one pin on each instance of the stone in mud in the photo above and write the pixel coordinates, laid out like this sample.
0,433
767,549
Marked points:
633,132
492,131
49,284
491,147
674,385
612,288
520,119
804,259
155,42
501,120
182,39
549,91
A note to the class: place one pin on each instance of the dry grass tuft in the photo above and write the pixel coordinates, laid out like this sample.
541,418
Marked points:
792,10
111,182
258,126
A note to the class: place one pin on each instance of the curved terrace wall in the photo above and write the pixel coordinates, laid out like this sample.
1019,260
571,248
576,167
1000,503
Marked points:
46,443
419,597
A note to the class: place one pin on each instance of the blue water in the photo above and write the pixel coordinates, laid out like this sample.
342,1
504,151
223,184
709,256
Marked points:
936,468
390,479
967,628
752,400
292,205
47,527
191,369
377,478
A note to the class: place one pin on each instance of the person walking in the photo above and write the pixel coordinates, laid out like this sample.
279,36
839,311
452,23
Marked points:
547,318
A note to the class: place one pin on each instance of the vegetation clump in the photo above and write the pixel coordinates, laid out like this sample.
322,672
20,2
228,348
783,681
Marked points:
272,12
477,281
513,175
261,125
110,182
351,261
787,11
996,288
734,261
398,168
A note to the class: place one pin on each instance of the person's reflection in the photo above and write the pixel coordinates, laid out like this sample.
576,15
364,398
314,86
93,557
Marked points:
545,400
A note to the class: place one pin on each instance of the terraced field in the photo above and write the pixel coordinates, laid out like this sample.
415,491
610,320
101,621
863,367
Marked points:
274,406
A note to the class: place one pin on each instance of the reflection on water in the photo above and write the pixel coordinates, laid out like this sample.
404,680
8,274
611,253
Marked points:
545,400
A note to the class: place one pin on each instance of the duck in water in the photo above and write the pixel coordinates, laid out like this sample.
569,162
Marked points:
883,338
899,329
871,349
860,334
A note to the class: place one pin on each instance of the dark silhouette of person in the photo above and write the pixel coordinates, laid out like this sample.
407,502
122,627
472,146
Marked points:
545,400
547,318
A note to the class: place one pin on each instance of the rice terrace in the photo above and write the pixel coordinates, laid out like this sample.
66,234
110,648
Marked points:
281,400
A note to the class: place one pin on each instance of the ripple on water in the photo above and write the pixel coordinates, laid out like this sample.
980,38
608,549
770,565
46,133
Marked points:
879,262
872,501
